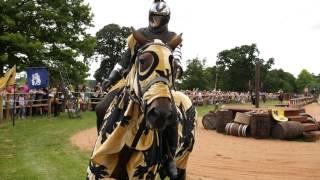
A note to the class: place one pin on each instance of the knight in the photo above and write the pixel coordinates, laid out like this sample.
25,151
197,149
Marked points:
159,17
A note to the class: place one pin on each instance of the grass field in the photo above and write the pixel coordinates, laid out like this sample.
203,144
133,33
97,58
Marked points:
39,147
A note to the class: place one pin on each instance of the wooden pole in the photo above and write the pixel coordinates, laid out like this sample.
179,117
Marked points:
14,105
257,83
7,106
49,106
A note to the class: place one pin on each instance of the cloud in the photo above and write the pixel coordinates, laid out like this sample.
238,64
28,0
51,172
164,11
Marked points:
317,26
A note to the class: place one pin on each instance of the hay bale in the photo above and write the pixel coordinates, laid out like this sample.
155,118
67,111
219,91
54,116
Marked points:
287,130
242,118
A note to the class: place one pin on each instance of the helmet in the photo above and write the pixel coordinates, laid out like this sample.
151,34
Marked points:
159,15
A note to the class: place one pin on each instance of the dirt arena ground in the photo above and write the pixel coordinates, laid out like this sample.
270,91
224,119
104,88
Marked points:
217,156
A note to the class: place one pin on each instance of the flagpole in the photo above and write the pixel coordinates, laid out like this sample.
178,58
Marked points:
14,104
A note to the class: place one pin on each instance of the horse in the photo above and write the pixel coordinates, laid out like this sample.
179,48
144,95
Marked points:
140,107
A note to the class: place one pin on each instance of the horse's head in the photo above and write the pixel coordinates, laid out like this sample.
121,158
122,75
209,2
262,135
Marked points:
153,80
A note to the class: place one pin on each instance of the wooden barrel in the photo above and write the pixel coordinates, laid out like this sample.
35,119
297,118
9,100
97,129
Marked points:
209,120
287,130
223,117
311,136
236,129
260,125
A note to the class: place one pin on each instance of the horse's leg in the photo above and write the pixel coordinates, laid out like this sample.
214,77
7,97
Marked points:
102,106
181,174
100,111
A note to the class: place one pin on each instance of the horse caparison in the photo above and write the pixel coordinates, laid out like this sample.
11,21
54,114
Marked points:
130,143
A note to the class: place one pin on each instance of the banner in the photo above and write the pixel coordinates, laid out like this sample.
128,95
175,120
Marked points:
38,77
9,78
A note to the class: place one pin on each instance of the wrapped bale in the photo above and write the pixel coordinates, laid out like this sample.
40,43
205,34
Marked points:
242,118
236,129
223,117
209,121
287,130
260,125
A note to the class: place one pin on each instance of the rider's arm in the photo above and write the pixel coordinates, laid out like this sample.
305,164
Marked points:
177,56
122,66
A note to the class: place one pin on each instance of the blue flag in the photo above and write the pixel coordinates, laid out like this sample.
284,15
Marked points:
38,77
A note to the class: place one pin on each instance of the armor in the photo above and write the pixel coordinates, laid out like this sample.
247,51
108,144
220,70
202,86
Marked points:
159,16
127,58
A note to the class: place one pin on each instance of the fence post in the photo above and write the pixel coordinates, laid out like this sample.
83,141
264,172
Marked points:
49,106
30,108
1,108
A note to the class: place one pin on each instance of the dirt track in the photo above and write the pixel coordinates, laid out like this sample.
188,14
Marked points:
217,156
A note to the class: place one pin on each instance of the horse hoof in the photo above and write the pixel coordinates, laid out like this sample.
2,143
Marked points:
172,169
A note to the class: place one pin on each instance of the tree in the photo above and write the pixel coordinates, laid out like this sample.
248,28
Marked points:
305,79
211,75
46,33
111,42
236,67
278,79
195,75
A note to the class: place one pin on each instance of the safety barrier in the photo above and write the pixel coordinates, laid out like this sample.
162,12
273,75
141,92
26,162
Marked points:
300,102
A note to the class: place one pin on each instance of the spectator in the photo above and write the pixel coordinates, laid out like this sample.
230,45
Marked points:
281,96
21,104
10,92
95,97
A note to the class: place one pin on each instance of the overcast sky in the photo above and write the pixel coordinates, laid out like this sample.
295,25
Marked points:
288,30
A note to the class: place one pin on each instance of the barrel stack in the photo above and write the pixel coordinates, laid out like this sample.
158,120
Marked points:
261,124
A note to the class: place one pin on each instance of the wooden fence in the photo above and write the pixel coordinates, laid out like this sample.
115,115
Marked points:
300,102
10,107
47,105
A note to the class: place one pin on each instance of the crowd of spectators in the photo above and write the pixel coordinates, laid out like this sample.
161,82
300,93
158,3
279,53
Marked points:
212,97
35,101
23,97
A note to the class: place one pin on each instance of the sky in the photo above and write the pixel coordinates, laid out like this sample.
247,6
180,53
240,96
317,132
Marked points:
287,30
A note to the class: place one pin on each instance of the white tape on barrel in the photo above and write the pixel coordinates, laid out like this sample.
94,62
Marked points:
239,130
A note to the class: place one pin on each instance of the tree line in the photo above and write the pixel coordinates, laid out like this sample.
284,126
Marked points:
241,77
234,69
55,34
